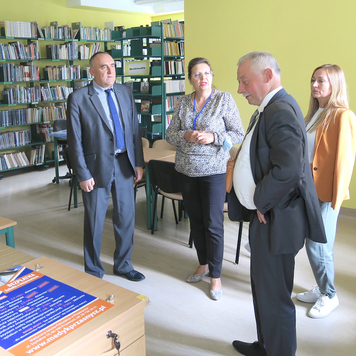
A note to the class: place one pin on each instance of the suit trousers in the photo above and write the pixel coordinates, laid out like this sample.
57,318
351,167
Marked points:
123,218
272,283
204,199
321,256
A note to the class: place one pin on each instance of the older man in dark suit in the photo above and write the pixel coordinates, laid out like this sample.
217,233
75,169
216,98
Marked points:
105,150
273,181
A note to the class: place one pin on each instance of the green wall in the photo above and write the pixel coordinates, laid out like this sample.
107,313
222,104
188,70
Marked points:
301,34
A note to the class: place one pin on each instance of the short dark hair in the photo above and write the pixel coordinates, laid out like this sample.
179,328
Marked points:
91,60
194,62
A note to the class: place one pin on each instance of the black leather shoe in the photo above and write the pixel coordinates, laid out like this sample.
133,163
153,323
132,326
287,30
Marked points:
248,349
133,275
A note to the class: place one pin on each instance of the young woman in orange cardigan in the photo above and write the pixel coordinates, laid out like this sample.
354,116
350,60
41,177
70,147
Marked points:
331,129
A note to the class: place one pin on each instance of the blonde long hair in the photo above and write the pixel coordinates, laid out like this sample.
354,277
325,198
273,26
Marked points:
338,99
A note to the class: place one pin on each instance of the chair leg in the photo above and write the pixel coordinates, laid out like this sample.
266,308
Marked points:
72,181
190,241
175,211
241,225
135,191
154,214
162,207
180,205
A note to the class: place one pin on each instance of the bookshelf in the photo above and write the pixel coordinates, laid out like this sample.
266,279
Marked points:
150,60
37,73
40,67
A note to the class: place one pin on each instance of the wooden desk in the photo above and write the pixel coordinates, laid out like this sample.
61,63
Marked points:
161,155
125,319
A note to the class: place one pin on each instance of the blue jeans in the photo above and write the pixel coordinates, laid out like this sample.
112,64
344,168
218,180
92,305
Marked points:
321,256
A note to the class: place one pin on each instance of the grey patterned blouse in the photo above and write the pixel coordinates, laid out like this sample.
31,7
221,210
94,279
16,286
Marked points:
220,117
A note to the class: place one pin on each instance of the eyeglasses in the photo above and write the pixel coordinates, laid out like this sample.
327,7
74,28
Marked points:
198,75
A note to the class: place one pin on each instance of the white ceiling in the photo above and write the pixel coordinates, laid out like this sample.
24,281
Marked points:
161,7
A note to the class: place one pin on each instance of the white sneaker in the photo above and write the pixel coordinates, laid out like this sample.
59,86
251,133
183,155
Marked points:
324,306
310,296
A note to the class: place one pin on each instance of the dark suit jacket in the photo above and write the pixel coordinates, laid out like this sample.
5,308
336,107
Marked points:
90,139
285,191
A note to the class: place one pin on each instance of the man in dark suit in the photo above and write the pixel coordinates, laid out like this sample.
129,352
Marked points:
273,182
105,150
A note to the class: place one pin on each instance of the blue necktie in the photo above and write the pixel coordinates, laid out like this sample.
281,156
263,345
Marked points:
120,141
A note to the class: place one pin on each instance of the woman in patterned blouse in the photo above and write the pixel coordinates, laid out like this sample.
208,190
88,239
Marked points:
205,125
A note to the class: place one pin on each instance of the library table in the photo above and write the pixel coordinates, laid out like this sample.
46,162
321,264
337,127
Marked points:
7,228
157,154
125,318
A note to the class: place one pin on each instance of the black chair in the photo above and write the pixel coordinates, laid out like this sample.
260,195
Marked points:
73,177
143,131
164,181
239,236
60,125
142,181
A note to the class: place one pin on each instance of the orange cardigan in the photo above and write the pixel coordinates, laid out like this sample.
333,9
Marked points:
334,158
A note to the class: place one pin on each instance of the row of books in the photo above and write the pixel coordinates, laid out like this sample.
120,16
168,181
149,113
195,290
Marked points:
21,73
173,48
13,160
174,67
16,50
175,86
45,130
53,111
30,72
171,102
168,119
173,28
55,31
37,154
34,30
91,33
58,92
50,112
71,50
86,52
64,72
22,95
19,29
15,138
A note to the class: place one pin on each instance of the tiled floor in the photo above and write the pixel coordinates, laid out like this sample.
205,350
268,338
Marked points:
181,319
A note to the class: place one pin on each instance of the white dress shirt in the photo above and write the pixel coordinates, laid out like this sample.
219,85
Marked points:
243,182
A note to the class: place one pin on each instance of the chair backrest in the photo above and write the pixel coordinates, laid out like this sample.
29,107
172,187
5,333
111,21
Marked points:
67,159
164,145
233,151
143,131
60,125
145,142
163,176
